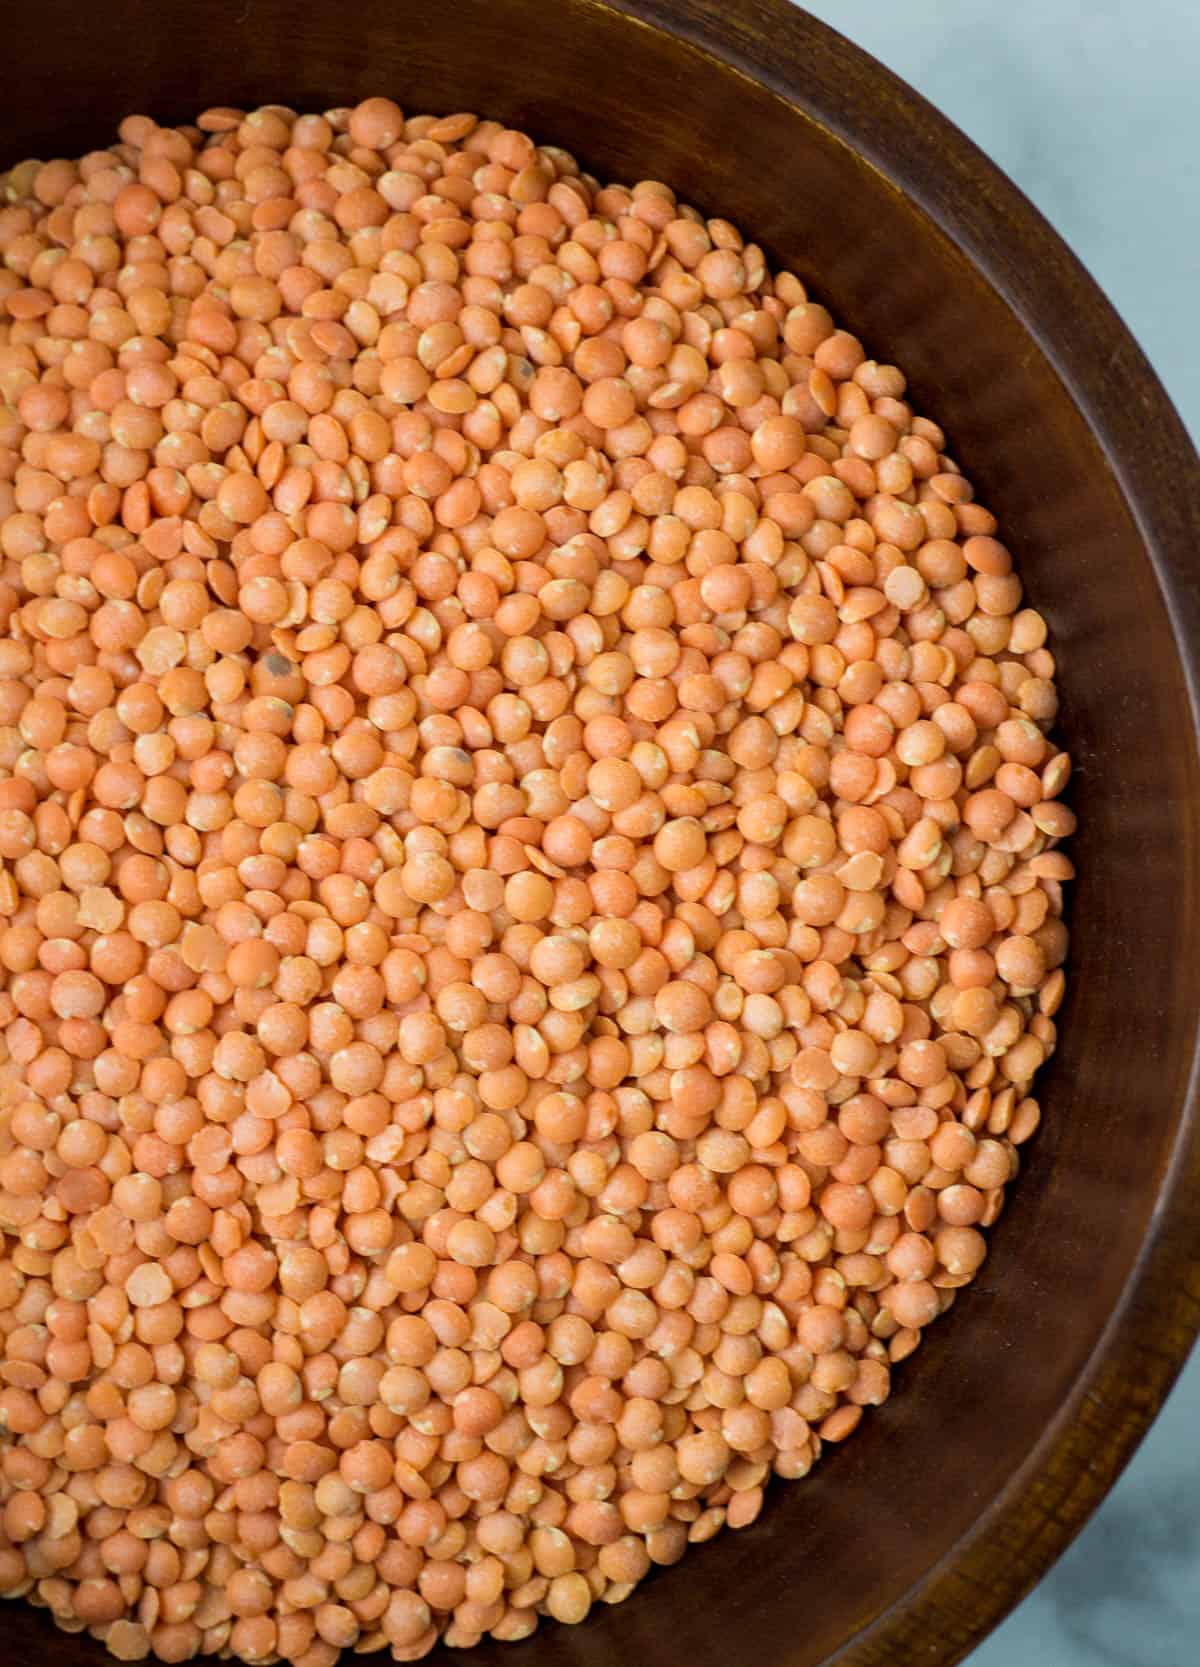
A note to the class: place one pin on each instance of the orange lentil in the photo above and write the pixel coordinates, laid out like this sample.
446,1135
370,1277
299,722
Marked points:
530,888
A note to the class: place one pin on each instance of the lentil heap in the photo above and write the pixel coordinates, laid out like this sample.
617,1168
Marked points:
531,901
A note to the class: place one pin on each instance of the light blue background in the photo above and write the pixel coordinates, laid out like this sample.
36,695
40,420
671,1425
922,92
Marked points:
1093,108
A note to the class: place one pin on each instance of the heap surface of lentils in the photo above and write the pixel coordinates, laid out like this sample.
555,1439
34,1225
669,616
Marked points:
530,903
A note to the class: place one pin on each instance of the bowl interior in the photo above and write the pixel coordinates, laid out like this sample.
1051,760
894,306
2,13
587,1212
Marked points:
920,1487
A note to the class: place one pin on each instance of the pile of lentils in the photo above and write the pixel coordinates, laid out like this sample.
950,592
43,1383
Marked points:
531,900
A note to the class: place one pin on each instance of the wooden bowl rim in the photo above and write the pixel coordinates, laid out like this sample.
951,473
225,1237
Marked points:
864,107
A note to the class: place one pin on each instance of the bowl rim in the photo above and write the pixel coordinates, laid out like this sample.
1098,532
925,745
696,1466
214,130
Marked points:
1023,1529
1151,1330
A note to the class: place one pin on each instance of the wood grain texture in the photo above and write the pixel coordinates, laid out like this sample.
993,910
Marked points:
1015,1418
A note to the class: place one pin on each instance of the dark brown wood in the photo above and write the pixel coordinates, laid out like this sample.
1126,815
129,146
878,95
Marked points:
907,1545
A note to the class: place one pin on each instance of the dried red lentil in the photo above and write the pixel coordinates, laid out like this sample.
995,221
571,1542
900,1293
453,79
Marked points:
531,900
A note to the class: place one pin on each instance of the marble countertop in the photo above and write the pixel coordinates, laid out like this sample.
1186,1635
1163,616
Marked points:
1091,107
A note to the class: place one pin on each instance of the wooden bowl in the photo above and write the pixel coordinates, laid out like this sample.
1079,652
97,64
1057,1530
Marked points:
1019,1412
